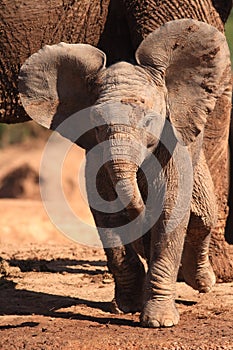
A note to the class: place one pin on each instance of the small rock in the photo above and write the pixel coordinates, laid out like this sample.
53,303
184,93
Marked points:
4,268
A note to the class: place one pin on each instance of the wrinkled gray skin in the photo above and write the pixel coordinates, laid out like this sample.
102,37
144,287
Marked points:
159,102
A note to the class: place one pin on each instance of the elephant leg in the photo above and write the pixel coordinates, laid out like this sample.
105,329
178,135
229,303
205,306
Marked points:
196,268
123,262
159,308
129,276
167,236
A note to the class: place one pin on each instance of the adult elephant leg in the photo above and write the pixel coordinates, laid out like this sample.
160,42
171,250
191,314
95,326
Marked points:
122,260
229,225
216,153
196,268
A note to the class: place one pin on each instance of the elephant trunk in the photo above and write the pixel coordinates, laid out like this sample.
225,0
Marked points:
125,157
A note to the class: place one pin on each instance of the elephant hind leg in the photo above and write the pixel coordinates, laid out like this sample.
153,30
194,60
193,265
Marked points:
196,268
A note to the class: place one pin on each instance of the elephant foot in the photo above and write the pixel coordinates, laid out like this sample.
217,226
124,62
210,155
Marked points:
202,280
159,313
199,275
126,304
205,279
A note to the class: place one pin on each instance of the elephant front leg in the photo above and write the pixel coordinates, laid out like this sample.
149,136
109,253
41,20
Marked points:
159,308
123,262
129,277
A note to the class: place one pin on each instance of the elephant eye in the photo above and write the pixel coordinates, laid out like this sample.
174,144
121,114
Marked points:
100,127
148,121
97,128
101,130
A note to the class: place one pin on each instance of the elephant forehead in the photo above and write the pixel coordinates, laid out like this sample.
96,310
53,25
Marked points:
126,73
113,113
129,84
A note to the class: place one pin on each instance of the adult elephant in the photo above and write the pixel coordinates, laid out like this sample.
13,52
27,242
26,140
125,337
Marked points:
137,20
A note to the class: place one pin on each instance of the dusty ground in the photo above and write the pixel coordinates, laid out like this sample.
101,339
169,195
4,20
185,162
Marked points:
55,293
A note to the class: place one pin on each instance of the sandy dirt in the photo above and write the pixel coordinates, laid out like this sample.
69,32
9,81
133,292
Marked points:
56,293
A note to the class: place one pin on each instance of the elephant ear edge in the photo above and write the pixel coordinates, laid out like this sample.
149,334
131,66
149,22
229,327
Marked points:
54,82
193,58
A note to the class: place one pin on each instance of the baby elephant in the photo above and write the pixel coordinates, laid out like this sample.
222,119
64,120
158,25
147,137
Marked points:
148,183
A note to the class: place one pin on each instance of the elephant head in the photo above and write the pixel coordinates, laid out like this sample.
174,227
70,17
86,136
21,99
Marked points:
180,70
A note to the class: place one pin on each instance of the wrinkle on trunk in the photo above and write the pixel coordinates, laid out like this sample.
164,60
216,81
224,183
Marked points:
124,156
124,177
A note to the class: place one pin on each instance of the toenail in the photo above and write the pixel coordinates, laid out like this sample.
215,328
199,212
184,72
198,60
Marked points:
168,323
154,324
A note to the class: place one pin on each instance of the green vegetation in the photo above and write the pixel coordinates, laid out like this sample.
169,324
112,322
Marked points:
229,34
18,133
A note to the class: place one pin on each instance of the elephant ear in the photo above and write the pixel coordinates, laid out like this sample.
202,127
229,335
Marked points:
193,58
54,84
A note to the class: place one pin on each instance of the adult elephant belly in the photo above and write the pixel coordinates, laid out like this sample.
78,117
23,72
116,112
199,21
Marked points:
27,26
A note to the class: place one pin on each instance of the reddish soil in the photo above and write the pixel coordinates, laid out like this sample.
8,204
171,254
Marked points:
55,293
